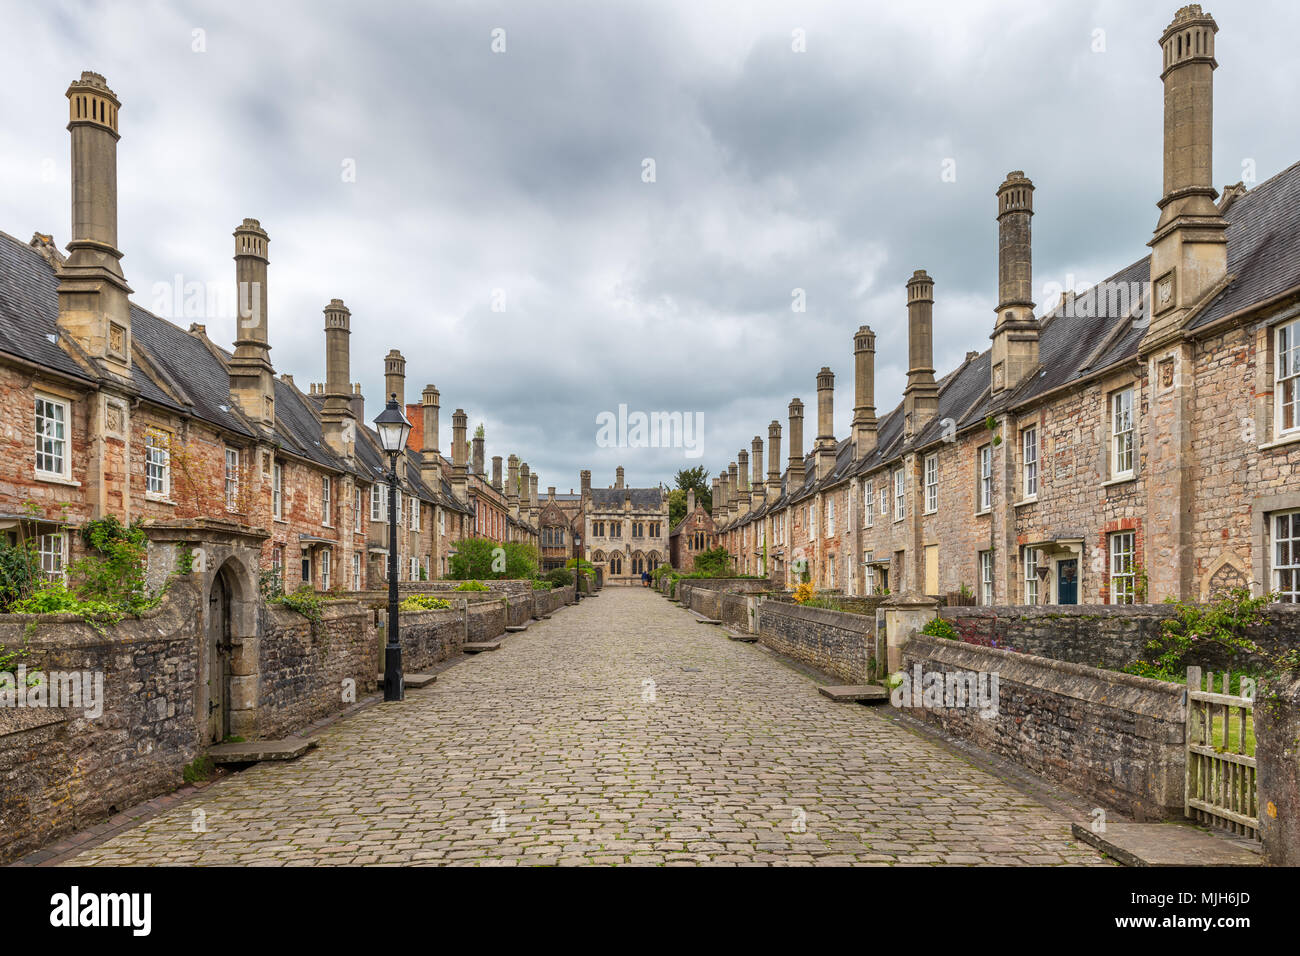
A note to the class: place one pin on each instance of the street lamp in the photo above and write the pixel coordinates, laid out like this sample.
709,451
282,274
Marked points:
577,567
392,427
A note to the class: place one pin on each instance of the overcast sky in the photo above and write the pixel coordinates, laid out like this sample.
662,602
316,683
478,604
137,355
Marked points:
517,179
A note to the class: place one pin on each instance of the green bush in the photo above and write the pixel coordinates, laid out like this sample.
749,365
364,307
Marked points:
424,602
20,571
715,563
540,585
483,558
938,627
559,577
472,586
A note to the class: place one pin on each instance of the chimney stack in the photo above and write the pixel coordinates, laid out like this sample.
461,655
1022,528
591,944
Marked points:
252,379
524,481
1015,335
584,481
496,472
618,477
733,492
512,485
716,500
690,501
825,446
921,395
430,459
773,460
756,489
479,441
742,475
459,478
796,444
336,411
93,295
864,388
550,493
533,479
395,376
1189,253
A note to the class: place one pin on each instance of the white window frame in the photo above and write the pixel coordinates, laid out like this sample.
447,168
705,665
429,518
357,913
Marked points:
931,465
869,503
357,505
57,447
1123,456
900,495
869,578
442,522
1029,450
378,502
884,497
1123,567
157,464
1286,384
232,479
52,552
325,565
1285,555
356,570
277,491
986,578
326,500
414,512
1031,576
984,502
413,568
830,517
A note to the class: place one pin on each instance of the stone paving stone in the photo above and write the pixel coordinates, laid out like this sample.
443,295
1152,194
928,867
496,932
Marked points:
710,752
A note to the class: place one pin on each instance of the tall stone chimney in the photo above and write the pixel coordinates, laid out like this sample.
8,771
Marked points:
618,477
459,476
496,472
796,444
1189,253
773,460
733,492
533,480
337,420
690,501
252,379
430,457
93,295
550,493
395,377
1015,334
524,482
742,475
716,500
512,486
825,446
757,490
864,392
921,395
584,482
479,461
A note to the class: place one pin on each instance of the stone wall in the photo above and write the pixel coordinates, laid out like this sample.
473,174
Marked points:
485,621
1102,635
61,770
430,637
837,642
1113,737
302,668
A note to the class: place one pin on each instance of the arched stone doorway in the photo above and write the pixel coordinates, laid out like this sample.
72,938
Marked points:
231,649
218,650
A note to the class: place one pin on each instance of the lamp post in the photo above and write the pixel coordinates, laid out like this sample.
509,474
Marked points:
577,567
392,428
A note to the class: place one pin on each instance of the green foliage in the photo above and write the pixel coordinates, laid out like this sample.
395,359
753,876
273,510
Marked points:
541,585
697,478
938,627
483,558
676,507
184,559
198,769
713,563
306,602
559,577
472,586
115,573
1220,626
20,571
270,585
661,572
424,602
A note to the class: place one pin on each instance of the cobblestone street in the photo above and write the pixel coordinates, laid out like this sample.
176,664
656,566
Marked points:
620,731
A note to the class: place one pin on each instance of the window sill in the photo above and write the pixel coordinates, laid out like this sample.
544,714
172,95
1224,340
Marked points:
986,511
159,499
1288,439
1122,480
932,511
1026,501
56,479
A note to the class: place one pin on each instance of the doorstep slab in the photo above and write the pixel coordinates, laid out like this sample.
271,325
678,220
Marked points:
257,751
478,647
1167,844
516,628
414,681
871,693
741,636
708,620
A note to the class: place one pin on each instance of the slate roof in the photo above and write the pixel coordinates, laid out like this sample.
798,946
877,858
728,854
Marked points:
611,499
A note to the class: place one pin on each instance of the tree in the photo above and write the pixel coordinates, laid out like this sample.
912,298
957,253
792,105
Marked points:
697,478
676,506
482,558
715,563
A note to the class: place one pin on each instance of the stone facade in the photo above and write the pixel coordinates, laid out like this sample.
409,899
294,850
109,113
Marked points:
1133,443
625,530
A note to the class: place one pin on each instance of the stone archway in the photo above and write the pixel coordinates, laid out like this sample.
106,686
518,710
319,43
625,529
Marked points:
230,658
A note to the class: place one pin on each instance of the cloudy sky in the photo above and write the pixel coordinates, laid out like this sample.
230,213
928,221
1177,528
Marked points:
487,211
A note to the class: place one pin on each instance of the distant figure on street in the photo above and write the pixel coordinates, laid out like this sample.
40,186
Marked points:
645,579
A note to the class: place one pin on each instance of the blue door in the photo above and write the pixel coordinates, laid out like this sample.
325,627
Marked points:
1067,581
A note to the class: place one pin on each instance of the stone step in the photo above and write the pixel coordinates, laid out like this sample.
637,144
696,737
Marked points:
1168,844
256,751
708,620
871,693
516,628
741,636
413,681
478,647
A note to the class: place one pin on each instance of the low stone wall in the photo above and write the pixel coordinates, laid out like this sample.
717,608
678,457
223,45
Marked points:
548,602
1116,738
1102,635
837,642
62,770
302,668
430,637
485,621
510,586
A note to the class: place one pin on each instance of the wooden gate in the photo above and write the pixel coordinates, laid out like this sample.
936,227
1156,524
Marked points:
1221,787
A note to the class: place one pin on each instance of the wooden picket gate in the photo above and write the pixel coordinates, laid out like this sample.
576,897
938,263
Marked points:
1221,788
